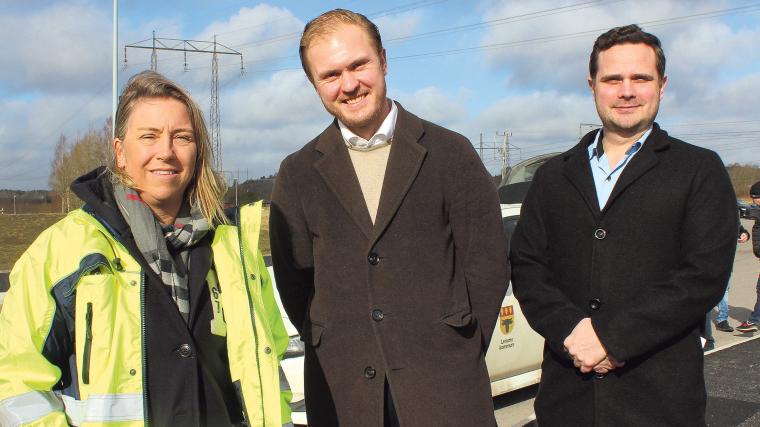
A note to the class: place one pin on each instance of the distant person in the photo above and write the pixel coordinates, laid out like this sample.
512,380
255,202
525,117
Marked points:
624,243
721,321
387,247
751,324
144,307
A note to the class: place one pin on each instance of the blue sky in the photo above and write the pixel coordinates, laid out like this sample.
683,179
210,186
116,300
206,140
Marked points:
473,66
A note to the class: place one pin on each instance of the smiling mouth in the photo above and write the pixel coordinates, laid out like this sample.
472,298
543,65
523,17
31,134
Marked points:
355,100
164,172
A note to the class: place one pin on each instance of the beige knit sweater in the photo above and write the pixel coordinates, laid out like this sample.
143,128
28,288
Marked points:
370,169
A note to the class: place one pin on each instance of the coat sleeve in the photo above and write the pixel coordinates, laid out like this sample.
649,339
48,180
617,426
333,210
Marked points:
756,238
279,335
708,244
548,310
479,240
291,243
26,376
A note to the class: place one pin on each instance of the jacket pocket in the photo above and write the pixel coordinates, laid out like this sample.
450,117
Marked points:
87,345
312,334
459,318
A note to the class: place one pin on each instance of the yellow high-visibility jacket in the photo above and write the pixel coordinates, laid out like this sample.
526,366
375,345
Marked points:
77,261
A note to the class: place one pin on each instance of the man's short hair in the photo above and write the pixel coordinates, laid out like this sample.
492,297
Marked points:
629,34
326,23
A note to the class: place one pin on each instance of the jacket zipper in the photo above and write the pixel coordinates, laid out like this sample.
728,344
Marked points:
253,319
87,345
144,350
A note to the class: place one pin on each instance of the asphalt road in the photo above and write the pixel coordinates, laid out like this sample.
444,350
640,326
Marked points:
732,370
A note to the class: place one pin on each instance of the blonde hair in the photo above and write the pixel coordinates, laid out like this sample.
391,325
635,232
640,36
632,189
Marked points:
326,23
207,188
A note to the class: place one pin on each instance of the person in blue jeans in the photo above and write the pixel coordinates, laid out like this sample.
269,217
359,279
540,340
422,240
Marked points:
751,325
721,321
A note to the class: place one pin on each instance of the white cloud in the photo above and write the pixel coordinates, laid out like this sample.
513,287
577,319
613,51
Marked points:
399,25
264,120
64,48
434,105
30,129
563,63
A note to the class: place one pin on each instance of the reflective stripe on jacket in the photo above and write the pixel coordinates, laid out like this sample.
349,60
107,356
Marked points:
78,263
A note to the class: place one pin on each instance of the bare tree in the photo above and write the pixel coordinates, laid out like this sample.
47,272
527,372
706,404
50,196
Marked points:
58,179
89,151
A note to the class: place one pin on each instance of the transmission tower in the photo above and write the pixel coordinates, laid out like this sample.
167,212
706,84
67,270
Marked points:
194,46
499,149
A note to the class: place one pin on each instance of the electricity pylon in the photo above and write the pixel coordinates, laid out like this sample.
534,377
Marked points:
194,46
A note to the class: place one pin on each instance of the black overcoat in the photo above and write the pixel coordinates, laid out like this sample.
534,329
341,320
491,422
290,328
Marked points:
646,269
413,299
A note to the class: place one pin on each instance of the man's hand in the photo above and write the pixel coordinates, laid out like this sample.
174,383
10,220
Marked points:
743,237
584,346
607,365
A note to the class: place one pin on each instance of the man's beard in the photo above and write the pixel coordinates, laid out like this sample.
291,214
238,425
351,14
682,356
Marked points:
360,122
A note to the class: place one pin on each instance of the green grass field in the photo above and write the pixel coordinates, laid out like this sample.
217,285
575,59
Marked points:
19,231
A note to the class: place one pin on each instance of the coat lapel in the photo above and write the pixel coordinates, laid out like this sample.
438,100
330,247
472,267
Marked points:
578,171
404,163
338,172
642,162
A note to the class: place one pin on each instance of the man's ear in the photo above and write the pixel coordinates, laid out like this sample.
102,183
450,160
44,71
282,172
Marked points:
384,62
662,86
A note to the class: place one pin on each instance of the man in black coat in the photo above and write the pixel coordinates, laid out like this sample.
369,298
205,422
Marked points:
624,243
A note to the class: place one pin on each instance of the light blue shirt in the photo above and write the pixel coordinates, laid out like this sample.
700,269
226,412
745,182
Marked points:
604,176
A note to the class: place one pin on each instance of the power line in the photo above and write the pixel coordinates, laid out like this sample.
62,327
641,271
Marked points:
195,46
379,14
567,36
506,20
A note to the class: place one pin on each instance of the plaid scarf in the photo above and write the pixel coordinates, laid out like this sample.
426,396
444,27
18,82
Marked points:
157,242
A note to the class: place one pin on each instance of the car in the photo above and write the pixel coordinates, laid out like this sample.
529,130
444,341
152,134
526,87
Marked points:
515,351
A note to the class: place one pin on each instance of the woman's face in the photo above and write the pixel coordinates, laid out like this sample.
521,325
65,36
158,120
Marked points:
158,152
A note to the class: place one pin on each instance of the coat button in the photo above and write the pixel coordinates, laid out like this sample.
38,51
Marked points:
600,376
267,350
369,372
185,350
595,304
600,233
373,258
377,315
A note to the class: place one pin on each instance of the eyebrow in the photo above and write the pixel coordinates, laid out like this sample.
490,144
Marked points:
360,61
159,130
638,76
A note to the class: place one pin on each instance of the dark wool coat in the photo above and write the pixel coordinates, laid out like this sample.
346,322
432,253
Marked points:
646,269
413,299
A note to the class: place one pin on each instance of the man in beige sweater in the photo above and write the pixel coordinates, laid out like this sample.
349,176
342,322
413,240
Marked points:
388,249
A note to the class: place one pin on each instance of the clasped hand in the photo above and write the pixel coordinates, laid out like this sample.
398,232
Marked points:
587,352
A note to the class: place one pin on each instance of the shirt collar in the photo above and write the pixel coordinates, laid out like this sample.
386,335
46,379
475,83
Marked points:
596,148
382,137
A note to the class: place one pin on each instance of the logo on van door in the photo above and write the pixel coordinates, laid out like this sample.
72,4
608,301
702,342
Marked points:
506,319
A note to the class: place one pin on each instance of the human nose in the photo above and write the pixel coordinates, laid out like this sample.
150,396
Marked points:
626,89
348,82
165,147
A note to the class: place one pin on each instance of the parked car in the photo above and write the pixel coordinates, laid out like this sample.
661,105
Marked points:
515,351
